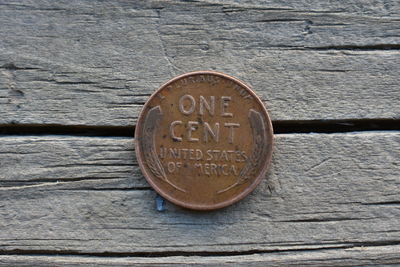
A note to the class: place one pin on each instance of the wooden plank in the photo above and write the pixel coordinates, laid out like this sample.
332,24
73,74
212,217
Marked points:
325,191
95,63
72,161
332,257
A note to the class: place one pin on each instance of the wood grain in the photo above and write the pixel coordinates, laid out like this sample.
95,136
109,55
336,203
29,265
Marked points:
95,161
96,62
325,191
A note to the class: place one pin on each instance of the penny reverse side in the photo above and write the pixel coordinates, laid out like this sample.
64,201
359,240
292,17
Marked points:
204,140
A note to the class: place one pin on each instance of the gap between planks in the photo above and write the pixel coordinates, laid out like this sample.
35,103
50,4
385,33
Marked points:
339,246
280,127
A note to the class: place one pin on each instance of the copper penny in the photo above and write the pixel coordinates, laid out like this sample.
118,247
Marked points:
204,140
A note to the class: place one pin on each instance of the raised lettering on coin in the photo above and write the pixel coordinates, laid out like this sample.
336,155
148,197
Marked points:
204,140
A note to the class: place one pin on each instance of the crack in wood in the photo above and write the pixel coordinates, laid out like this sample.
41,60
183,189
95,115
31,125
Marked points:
357,47
150,254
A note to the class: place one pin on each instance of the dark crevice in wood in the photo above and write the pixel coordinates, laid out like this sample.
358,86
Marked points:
336,126
317,220
11,66
74,130
385,203
56,180
195,253
109,189
357,47
280,127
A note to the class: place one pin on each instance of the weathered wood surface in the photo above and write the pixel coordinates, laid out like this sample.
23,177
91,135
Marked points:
96,62
330,199
325,191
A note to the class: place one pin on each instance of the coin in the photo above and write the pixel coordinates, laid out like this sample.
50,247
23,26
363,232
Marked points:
204,140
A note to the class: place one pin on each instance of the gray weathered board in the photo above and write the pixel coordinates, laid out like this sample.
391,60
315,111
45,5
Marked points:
329,199
85,195
96,62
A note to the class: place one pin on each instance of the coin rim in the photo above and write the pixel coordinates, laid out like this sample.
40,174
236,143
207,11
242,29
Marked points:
219,205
